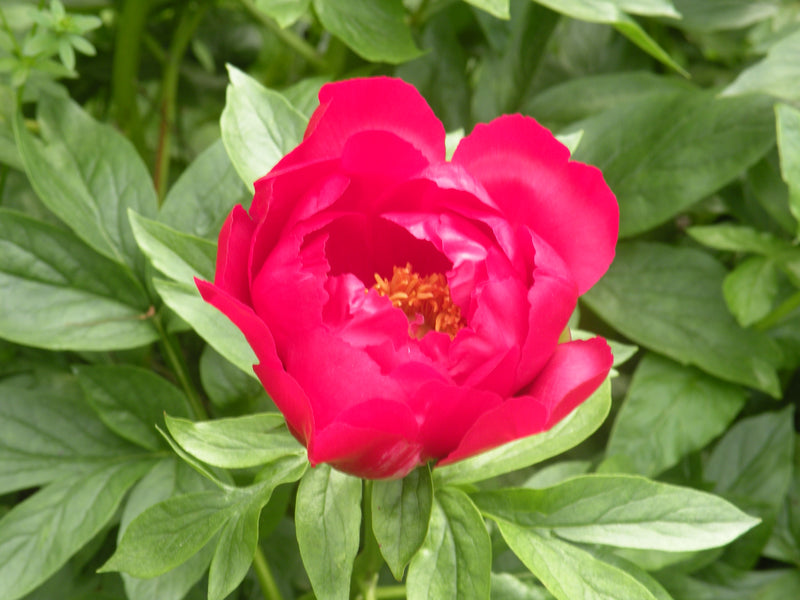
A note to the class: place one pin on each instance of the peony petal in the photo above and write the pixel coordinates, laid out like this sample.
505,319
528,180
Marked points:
376,439
527,172
233,254
575,370
371,104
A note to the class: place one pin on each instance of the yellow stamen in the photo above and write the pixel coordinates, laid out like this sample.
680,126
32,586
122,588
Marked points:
428,296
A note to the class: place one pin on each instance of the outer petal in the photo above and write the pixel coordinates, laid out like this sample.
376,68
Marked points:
375,103
575,370
284,390
376,439
528,174
233,254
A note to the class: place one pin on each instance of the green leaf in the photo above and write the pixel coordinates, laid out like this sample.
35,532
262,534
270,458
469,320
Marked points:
131,401
328,522
234,554
400,513
614,12
208,322
788,126
47,435
713,15
454,561
39,535
204,194
567,433
665,152
509,587
738,238
230,390
680,312
168,478
180,256
236,443
496,8
625,511
784,541
58,294
777,75
376,31
751,288
89,176
259,126
285,12
569,572
670,411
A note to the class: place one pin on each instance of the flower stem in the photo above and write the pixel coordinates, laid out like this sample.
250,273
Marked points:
774,318
369,560
391,592
266,581
187,24
288,37
175,359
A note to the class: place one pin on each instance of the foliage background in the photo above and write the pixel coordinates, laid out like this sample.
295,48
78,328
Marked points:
690,108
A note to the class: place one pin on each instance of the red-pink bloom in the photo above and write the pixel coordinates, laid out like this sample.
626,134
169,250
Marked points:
405,308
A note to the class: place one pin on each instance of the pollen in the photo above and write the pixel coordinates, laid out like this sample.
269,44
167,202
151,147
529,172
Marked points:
427,296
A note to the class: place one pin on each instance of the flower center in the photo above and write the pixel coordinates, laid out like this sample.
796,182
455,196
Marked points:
427,296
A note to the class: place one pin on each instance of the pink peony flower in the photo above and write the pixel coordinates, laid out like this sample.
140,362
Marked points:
405,308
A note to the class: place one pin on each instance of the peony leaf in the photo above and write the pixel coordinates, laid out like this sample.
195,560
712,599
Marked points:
670,411
40,534
788,124
680,312
204,194
259,126
496,8
567,433
89,175
131,401
285,12
401,510
569,572
374,30
455,559
208,322
777,75
328,522
738,238
236,443
712,15
751,288
623,511
665,152
180,256
57,293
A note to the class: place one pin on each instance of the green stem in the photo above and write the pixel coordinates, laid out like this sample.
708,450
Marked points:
125,70
390,592
176,361
369,560
189,20
288,37
779,314
266,581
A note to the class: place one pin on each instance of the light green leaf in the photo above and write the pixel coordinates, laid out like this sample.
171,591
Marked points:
714,15
234,554
669,412
208,322
89,175
777,75
376,31
231,390
328,522
680,312
39,535
259,126
751,288
236,443
131,401
738,238
204,194
496,8
788,127
454,561
569,572
48,435
626,511
180,256
400,513
566,434
665,152
59,294
285,12
508,587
